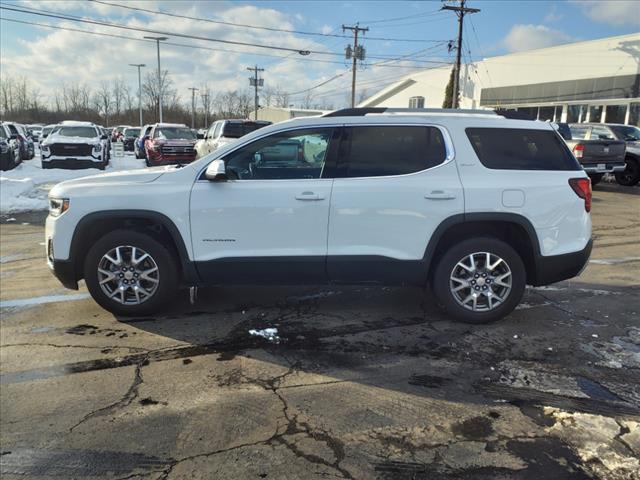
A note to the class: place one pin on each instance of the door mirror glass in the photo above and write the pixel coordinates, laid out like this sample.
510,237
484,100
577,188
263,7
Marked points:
216,171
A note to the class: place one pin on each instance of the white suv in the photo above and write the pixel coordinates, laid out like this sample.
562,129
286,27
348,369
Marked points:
473,204
75,145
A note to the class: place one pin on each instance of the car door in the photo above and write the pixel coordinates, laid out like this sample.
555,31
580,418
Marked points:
394,185
268,222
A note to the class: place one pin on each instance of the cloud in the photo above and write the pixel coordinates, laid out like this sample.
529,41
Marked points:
617,13
553,15
326,29
58,57
529,37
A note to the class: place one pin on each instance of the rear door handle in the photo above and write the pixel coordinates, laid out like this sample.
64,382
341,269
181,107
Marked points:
309,196
439,195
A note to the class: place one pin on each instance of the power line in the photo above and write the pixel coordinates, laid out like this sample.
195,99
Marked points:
180,45
256,27
33,11
386,20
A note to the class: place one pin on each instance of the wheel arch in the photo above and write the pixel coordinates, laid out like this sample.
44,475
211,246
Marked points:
513,228
96,224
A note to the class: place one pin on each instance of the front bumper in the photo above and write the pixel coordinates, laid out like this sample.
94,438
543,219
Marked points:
555,268
65,272
72,163
159,159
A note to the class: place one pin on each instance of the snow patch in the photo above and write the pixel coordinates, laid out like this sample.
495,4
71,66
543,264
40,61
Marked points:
29,302
270,334
27,186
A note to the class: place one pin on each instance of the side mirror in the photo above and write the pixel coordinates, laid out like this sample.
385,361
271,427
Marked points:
199,136
216,171
103,137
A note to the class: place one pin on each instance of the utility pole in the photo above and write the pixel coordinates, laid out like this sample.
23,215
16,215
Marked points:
256,82
460,12
205,98
158,40
139,65
193,106
356,54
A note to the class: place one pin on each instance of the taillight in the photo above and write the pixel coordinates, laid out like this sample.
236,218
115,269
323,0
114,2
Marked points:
582,187
578,150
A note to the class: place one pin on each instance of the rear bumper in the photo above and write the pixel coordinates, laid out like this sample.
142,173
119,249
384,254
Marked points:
604,167
556,268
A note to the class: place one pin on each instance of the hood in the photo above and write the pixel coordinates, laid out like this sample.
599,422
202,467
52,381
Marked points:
105,179
55,138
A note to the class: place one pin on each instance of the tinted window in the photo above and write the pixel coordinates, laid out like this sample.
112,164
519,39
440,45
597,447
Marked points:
3,135
84,132
629,134
521,149
287,155
393,150
173,133
601,133
131,132
238,129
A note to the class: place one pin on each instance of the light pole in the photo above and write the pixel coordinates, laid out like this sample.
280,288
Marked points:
139,66
158,40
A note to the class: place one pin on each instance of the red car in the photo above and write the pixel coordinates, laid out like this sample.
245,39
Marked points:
169,143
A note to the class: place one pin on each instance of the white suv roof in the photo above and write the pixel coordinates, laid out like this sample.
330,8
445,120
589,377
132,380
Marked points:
75,123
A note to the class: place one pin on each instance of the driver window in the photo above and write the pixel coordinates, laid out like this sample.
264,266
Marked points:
298,154
210,133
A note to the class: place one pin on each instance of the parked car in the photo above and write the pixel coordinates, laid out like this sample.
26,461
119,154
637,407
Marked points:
631,136
377,198
34,131
169,143
596,153
46,130
129,136
138,145
106,135
222,132
116,133
75,145
27,147
9,148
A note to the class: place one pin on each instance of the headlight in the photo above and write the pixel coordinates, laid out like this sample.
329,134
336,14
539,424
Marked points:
57,206
44,148
97,147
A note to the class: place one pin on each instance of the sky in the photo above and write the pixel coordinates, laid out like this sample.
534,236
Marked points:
403,37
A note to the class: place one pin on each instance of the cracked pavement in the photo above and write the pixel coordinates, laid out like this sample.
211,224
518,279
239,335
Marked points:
359,383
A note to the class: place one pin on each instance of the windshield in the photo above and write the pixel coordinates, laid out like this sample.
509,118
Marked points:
629,134
237,130
84,132
131,132
174,133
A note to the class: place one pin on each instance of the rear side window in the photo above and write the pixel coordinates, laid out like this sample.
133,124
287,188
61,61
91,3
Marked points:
390,150
521,149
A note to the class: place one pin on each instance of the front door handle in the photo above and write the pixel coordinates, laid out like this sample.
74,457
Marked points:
309,196
440,195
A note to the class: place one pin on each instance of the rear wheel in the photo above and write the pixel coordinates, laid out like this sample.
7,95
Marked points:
631,174
130,273
596,178
479,280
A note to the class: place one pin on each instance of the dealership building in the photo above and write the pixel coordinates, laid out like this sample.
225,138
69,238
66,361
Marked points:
592,81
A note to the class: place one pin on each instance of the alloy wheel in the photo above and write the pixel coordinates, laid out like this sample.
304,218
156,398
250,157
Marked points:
128,275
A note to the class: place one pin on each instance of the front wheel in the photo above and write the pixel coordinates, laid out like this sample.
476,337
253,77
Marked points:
479,280
631,174
130,273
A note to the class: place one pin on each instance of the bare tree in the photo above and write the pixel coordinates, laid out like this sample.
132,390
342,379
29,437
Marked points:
104,101
118,95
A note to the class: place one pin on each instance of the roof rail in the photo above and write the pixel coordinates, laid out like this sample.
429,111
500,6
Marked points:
360,112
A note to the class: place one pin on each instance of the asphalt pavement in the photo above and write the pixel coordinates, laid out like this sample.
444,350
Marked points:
324,382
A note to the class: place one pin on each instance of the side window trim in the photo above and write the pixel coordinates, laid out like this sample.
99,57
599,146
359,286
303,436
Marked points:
448,144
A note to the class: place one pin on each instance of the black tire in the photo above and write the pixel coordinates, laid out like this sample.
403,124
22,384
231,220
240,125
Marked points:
168,272
596,178
44,165
10,161
631,174
441,279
